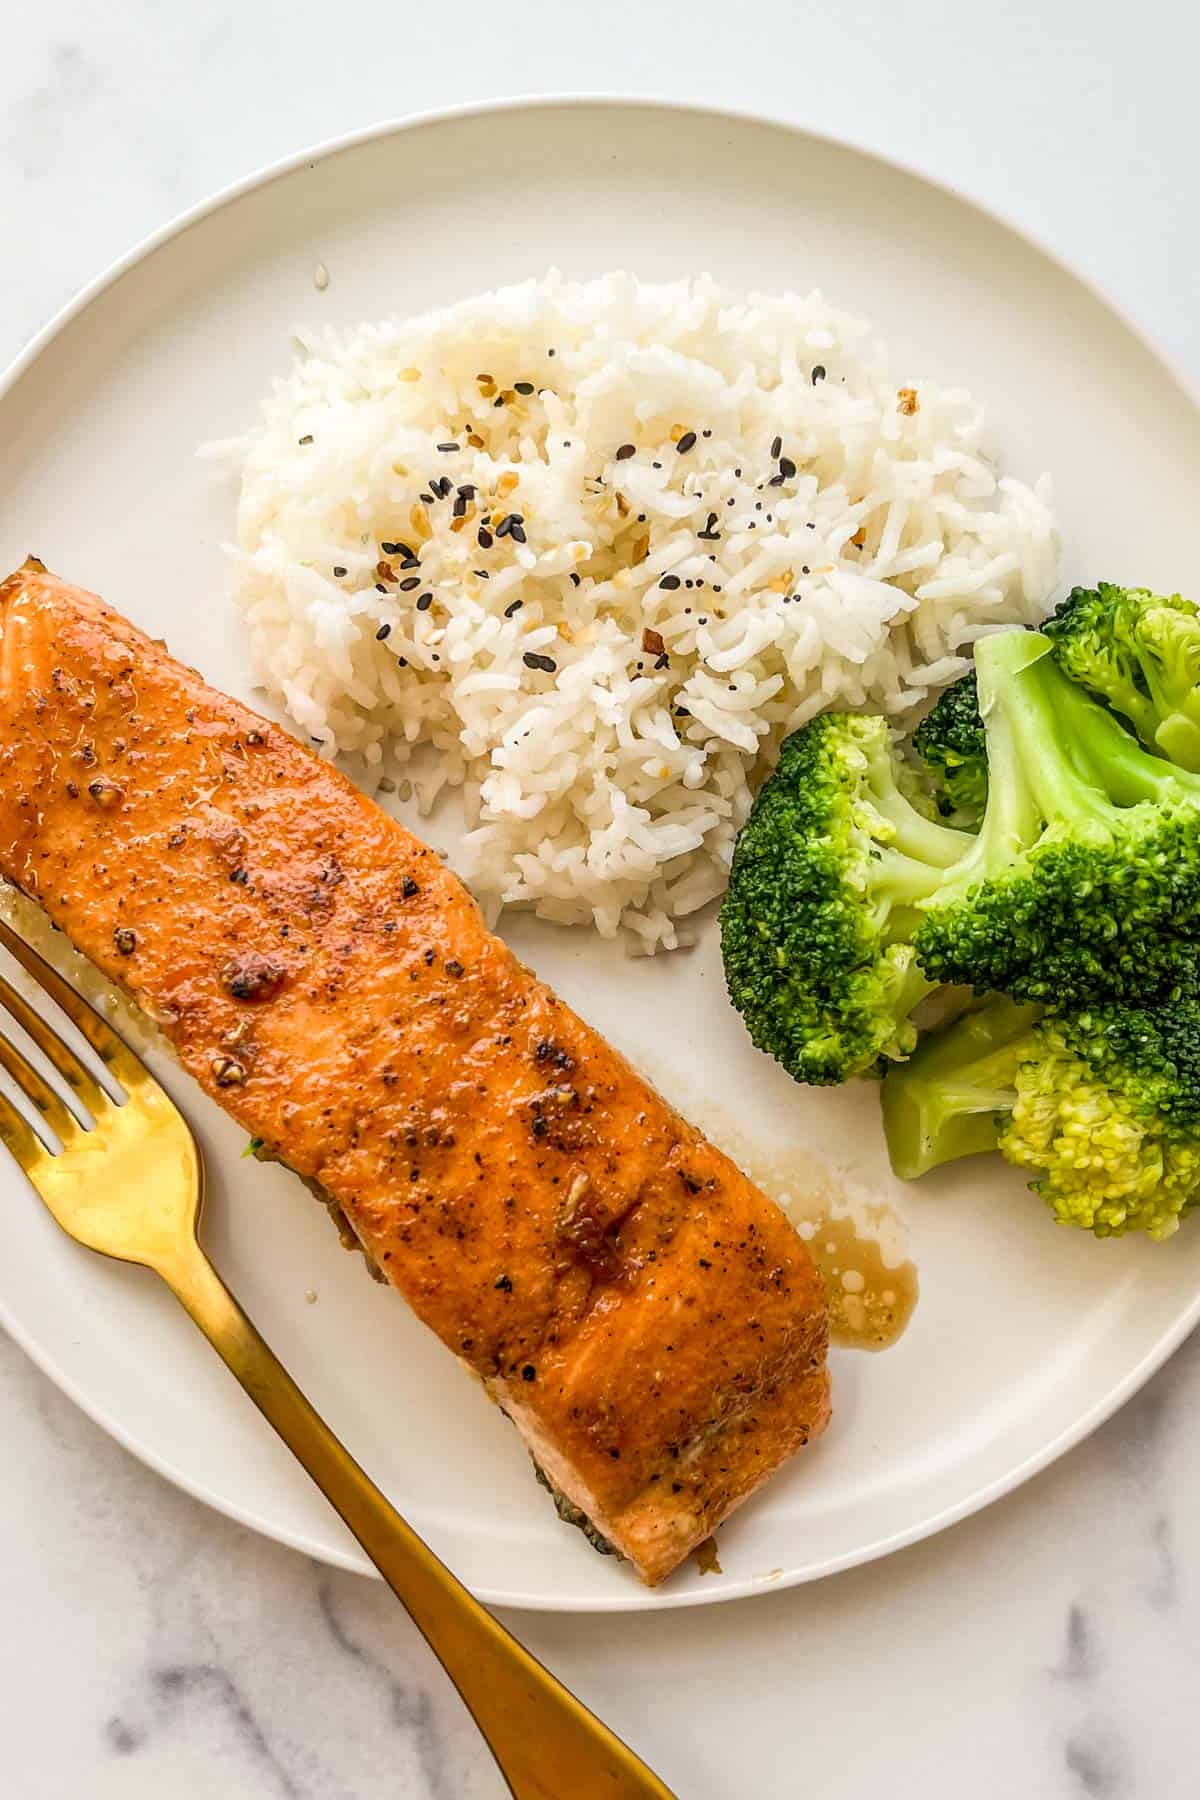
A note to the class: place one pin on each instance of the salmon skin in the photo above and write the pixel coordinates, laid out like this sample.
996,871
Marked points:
649,1321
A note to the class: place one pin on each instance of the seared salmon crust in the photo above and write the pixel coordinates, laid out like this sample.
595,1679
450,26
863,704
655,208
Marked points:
649,1321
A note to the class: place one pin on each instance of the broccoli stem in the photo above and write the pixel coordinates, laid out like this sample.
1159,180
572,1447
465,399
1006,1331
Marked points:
952,1098
1178,737
923,839
1076,758
1054,757
911,858
1128,772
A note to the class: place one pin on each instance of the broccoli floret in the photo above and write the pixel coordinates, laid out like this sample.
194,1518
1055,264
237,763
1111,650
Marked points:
951,745
1100,1107
820,905
1140,652
847,906
1083,883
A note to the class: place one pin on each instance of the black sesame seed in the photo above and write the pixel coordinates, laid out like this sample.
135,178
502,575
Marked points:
460,506
427,498
307,440
575,579
504,1283
384,631
523,387
408,887
775,481
686,442
552,353
625,452
534,660
409,583
529,1373
482,574
708,531
664,661
669,582
467,489
706,434
455,968
787,467
338,569
485,539
442,486
379,588
776,447
818,373
499,400
393,549
448,447
424,602
411,562
513,608
518,534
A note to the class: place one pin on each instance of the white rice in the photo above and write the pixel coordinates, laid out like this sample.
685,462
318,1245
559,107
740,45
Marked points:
610,788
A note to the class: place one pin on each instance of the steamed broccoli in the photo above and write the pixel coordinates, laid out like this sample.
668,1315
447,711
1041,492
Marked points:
1084,880
951,746
1100,1107
815,924
847,906
1140,652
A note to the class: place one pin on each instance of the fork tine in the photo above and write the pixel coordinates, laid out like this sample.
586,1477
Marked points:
99,1035
77,1076
109,1046
20,1138
39,1093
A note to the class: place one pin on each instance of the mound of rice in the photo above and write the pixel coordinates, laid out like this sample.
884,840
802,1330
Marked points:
588,551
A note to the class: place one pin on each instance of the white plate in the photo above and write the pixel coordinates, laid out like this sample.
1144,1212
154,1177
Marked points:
1025,1337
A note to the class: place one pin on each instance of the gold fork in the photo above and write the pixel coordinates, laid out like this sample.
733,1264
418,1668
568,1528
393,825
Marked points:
129,1182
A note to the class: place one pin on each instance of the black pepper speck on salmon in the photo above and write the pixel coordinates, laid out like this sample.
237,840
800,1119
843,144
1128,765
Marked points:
649,1320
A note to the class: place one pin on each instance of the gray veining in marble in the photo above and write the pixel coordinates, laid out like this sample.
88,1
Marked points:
1046,1650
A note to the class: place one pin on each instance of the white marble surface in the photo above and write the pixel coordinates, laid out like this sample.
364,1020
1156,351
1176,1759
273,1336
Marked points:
1045,1649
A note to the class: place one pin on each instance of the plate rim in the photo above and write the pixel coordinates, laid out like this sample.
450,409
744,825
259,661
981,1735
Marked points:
623,1598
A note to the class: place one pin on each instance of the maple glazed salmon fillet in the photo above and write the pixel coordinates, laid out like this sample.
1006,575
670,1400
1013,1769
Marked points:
647,1318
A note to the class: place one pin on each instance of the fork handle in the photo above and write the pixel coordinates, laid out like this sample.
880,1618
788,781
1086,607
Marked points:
547,1743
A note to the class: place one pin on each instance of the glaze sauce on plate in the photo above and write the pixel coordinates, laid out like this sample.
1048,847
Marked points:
859,1243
